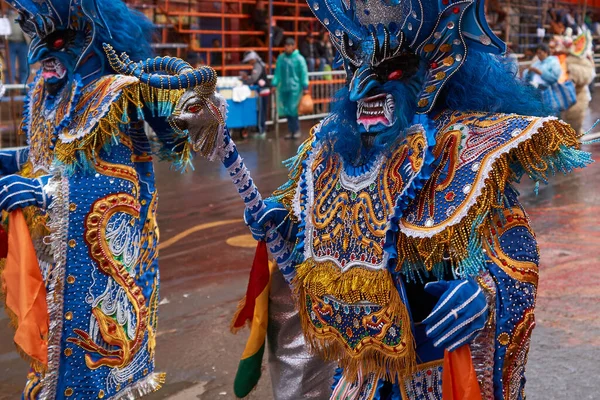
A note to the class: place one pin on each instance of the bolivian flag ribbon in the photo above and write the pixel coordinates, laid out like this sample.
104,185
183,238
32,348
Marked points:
254,311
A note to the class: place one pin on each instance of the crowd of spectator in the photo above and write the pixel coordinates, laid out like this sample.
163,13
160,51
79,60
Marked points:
560,19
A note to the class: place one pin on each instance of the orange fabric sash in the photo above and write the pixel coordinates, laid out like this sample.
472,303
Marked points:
25,291
459,381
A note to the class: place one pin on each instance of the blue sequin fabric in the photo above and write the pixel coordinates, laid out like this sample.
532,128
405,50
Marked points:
100,260
460,218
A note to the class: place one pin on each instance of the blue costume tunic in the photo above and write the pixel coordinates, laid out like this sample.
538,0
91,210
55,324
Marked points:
438,205
97,243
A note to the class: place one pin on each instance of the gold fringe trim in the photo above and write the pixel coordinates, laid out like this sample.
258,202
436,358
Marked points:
452,243
286,193
36,221
357,284
109,127
352,286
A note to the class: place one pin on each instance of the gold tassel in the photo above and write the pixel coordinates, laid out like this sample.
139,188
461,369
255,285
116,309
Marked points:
110,126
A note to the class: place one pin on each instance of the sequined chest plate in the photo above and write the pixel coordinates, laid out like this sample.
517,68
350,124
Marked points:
349,207
351,307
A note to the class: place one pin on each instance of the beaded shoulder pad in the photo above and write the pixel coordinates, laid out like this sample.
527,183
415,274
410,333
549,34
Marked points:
86,105
71,119
91,117
477,156
95,102
474,151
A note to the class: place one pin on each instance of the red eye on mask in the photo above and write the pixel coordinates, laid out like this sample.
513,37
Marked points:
395,75
195,108
58,43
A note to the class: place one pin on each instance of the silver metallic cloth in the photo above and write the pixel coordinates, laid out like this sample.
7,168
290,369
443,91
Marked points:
483,347
295,373
58,222
375,12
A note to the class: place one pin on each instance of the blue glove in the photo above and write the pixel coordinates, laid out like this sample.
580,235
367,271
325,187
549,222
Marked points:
11,160
19,192
459,314
275,213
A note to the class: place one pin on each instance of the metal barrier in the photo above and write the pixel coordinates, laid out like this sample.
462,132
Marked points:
10,106
323,86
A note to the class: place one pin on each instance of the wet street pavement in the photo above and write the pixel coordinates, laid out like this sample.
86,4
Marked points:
206,255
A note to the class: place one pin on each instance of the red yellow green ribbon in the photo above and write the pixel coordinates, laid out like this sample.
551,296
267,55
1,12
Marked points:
254,311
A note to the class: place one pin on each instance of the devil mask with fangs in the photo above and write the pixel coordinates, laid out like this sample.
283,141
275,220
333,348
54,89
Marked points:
398,56
67,37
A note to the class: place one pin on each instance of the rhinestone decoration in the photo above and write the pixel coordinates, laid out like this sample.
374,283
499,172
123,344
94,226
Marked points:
375,12
504,338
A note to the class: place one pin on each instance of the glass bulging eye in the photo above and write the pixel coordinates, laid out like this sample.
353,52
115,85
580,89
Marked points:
58,43
395,75
194,108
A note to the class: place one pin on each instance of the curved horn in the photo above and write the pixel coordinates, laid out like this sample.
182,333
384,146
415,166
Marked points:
121,67
170,65
181,74
203,76
124,65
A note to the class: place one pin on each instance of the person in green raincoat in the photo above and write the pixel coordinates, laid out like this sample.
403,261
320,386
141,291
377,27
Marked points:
291,82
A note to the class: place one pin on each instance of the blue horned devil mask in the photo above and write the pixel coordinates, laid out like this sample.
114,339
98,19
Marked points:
402,50
67,36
